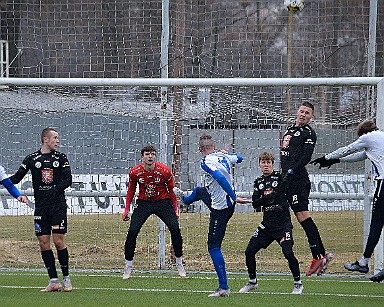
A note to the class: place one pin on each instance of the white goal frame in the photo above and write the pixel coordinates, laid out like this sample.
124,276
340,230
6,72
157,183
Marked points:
206,82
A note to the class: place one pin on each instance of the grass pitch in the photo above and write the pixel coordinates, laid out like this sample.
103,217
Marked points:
145,289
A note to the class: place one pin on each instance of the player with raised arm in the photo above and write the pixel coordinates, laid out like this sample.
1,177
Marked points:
296,151
369,144
220,197
156,196
269,194
8,184
51,175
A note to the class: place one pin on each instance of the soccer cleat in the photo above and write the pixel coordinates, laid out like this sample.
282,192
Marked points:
378,277
356,267
248,287
180,194
180,270
316,266
220,292
127,272
53,287
297,288
67,284
328,257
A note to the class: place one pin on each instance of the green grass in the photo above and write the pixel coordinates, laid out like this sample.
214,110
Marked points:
96,242
99,289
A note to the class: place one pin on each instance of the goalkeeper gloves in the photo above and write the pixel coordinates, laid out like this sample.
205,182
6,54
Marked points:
324,162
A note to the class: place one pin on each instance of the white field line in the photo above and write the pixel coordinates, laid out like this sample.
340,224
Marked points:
168,276
199,291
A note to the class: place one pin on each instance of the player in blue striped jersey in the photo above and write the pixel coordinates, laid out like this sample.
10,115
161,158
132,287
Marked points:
219,195
11,188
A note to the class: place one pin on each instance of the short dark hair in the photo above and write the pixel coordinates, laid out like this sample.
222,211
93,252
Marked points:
308,105
267,156
366,126
45,133
148,148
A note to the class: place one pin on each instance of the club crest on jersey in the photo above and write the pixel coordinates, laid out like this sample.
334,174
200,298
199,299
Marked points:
56,164
47,175
297,133
38,164
286,140
261,186
157,180
274,184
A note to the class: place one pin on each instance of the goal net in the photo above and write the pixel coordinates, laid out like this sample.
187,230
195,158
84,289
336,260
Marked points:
103,126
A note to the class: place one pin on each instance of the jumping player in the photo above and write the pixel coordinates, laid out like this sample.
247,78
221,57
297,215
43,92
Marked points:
296,152
156,196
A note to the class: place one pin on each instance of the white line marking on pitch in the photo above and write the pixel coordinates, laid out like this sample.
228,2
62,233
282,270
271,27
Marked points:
198,291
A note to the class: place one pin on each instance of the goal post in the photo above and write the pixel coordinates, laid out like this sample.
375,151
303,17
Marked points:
104,122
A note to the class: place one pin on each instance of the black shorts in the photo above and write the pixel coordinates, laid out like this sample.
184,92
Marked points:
50,220
298,195
264,236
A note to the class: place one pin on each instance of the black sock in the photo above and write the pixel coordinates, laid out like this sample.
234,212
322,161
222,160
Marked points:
49,261
314,239
63,260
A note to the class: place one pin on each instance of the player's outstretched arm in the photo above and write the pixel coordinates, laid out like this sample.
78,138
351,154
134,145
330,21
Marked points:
322,162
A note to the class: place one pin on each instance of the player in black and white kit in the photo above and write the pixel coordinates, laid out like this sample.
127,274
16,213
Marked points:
276,225
370,144
51,175
296,151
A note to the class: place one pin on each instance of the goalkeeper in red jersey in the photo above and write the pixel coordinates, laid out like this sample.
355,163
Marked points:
156,196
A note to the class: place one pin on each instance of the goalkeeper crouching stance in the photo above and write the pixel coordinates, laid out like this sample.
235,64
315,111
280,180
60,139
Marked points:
269,193
156,196
369,144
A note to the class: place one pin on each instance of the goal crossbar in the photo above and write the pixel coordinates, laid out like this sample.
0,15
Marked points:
190,81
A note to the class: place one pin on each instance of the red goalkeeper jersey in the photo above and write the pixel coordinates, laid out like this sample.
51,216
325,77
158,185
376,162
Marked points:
153,185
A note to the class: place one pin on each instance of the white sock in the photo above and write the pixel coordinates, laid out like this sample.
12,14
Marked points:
129,262
253,281
364,261
297,282
54,280
179,260
65,277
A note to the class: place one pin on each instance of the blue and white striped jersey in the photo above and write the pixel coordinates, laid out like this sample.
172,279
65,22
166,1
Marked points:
211,164
3,174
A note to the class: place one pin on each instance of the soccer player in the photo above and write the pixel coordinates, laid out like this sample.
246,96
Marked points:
7,183
369,144
296,151
220,197
156,196
51,175
276,224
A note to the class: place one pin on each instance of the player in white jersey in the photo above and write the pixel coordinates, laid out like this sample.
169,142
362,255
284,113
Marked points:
370,144
220,197
7,183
